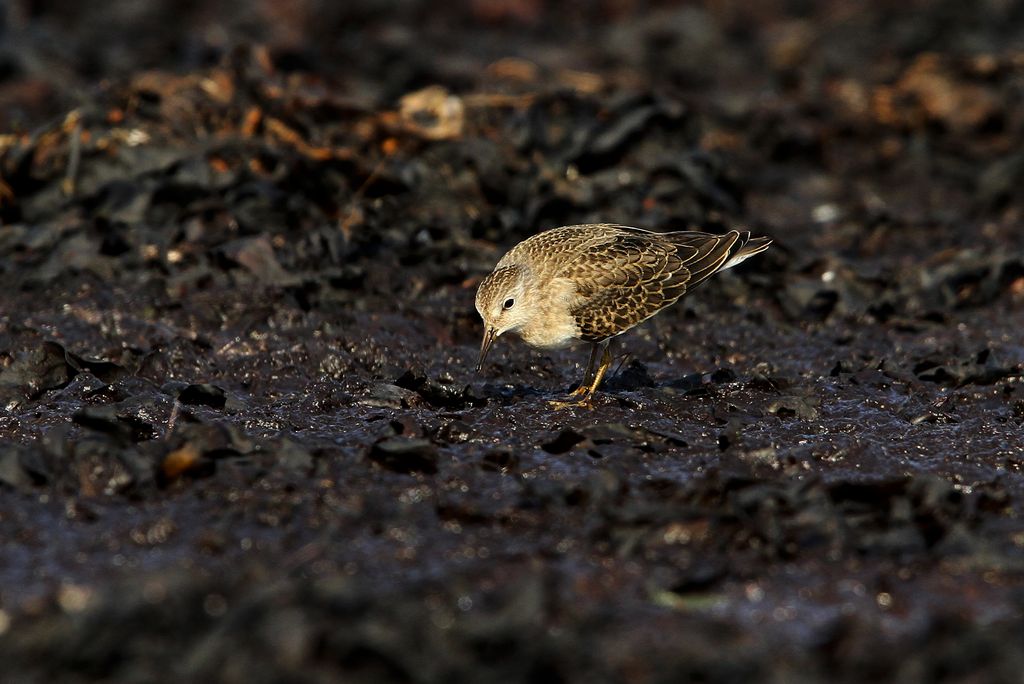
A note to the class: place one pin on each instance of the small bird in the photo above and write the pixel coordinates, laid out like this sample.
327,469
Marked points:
593,282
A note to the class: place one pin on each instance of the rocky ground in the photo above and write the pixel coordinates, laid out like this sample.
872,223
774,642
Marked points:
241,436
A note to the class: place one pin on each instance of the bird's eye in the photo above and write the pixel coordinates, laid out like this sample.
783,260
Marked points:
509,303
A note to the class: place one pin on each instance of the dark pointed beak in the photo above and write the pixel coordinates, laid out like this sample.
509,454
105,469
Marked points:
485,346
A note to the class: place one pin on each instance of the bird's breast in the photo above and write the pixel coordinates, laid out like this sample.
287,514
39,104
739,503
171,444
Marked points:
550,337
552,326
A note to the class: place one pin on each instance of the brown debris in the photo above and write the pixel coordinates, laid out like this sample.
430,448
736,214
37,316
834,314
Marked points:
180,461
433,113
928,91
280,130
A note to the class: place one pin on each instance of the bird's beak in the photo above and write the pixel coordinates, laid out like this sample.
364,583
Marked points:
485,346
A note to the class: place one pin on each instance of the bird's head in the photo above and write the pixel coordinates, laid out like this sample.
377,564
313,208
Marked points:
505,303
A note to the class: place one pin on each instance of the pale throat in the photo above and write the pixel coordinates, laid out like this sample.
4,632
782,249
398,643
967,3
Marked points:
552,326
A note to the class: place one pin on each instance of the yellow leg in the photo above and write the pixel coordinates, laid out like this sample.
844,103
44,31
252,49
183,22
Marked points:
585,383
606,361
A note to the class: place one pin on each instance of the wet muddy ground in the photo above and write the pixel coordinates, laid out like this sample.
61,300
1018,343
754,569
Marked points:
241,436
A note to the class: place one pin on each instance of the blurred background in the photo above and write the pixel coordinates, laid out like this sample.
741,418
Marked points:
54,52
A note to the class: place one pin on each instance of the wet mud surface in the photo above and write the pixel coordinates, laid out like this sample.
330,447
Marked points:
241,435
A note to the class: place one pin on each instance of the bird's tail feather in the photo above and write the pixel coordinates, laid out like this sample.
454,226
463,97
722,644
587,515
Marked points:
747,247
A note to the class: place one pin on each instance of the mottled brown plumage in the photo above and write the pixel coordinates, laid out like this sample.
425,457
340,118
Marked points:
593,282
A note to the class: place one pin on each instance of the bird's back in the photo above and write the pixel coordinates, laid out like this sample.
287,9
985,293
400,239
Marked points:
547,252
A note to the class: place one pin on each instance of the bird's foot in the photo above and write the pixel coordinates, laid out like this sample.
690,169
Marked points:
586,402
579,391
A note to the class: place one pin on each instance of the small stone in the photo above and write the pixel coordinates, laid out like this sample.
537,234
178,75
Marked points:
390,396
405,455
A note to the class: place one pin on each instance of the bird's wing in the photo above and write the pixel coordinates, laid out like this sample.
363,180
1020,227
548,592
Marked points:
632,274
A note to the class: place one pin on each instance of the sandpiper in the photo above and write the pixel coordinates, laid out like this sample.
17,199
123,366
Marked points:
593,282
